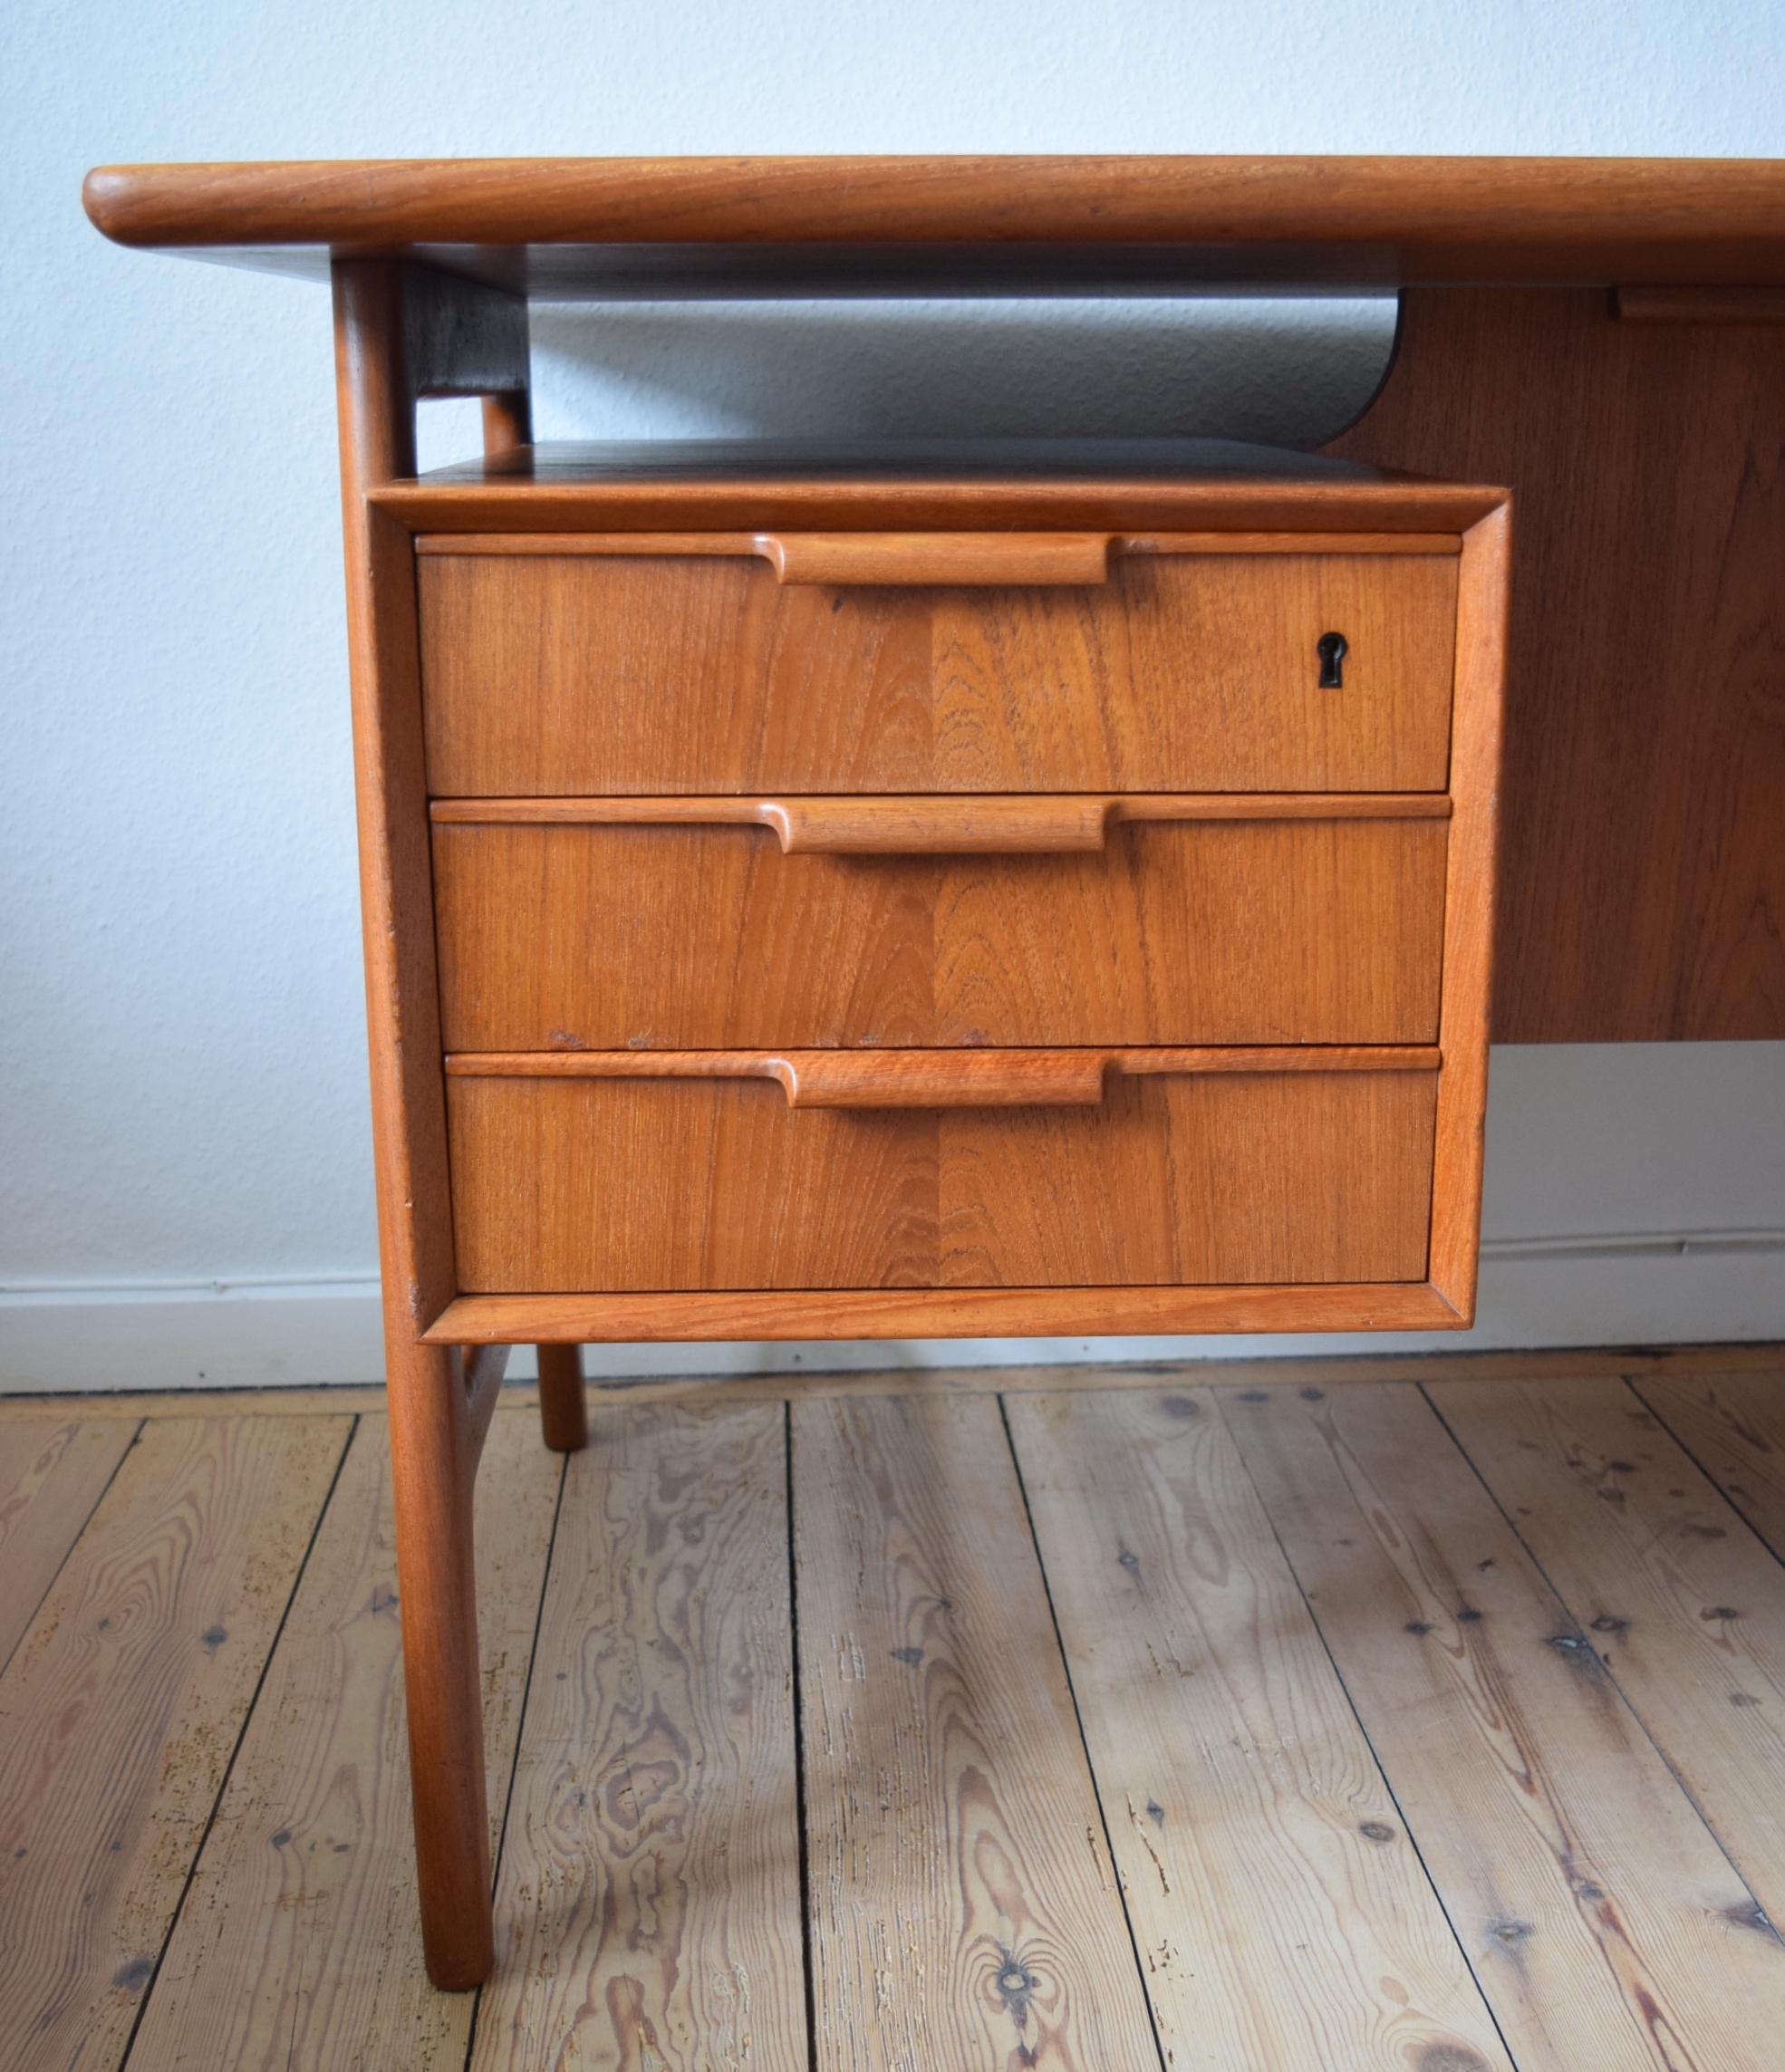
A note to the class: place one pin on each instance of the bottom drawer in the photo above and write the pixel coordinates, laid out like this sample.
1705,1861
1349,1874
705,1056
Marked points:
662,1170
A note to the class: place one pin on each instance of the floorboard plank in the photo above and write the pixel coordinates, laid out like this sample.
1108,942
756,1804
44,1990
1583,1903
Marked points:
299,1943
52,1474
1680,1600
648,1905
1734,1426
1606,1924
1284,1915
964,1909
121,1711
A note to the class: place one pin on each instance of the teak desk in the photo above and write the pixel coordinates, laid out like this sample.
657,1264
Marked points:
1013,892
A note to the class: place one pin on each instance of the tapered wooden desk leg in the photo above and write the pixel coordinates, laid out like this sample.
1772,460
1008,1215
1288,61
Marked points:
434,1465
563,1405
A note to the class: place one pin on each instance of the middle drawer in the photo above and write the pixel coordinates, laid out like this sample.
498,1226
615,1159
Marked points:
1048,920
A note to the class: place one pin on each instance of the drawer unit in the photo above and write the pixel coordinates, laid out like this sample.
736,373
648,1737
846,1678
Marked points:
914,1170
847,933
724,924
587,665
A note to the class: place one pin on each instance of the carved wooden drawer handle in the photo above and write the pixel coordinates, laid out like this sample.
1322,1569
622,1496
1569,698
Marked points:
1022,824
966,823
935,826
833,1078
882,558
936,1078
943,1079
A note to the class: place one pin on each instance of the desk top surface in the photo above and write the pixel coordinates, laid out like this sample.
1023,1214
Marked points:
617,229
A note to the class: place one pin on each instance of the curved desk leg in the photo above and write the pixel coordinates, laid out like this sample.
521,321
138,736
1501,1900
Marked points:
404,331
563,1405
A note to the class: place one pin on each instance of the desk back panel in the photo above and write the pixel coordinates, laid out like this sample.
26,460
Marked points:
1643,797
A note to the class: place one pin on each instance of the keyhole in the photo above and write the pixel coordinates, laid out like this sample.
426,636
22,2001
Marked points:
1331,649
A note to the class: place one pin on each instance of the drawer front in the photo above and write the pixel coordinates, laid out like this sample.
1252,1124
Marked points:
684,934
597,672
1193,1177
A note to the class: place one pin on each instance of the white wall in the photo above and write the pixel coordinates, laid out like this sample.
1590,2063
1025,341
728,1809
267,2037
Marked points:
184,1173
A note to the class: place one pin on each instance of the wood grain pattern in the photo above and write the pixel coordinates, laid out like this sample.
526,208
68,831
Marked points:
637,1184
653,487
507,420
51,1473
437,1428
1357,218
1683,1604
1733,1425
481,1369
954,825
377,434
649,1890
433,1442
1319,1960
1233,931
967,1078
725,544
941,1313
1604,1920
1701,305
563,1398
121,1710
1471,886
964,1907
907,559
466,338
1642,878
675,674
1282,1910
946,1079
304,1895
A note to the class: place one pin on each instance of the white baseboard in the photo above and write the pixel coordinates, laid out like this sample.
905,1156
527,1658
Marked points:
1615,1288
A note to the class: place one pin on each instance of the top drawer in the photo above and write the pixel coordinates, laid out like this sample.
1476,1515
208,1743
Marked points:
594,665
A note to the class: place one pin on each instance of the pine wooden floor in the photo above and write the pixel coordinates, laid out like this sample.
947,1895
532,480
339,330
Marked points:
1282,1724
